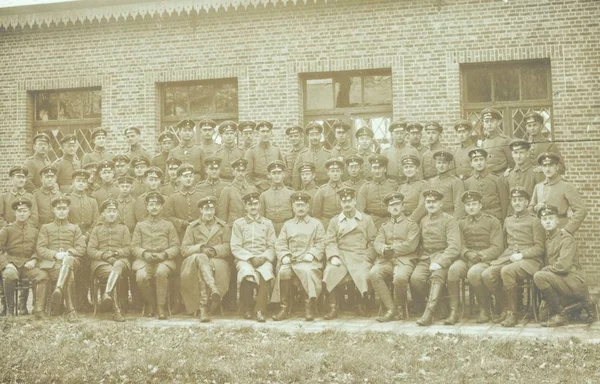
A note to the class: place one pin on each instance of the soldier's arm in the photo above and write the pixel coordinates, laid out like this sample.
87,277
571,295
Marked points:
125,251
411,243
371,234
282,248
189,245
42,245
534,199
3,240
139,209
169,214
269,253
577,206
420,212
454,244
331,246
458,188
380,241
172,250
223,249
95,216
567,253
539,237
136,242
318,248
93,251
496,242
78,249
296,181
361,198
237,240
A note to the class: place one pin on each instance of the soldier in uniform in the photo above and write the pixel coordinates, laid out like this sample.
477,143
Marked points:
371,194
524,174
140,165
491,187
152,180
433,133
122,165
99,153
559,193
316,153
496,143
181,207
261,155
253,247
307,176
462,161
166,142
155,247
108,188
415,133
412,189
229,150
171,182
126,202
132,138
398,150
33,164
354,167
212,185
187,151
450,186
343,144
230,205
43,196
540,143
440,246
92,184
18,175
109,249
60,247
246,129
482,242
275,201
396,246
349,251
300,249
295,134
206,257
207,133
364,139
522,257
561,280
66,164
326,203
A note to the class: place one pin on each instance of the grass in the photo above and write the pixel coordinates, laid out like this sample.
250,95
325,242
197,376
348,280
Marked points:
55,351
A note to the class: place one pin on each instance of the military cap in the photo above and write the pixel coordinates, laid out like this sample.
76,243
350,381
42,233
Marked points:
155,172
346,193
410,159
433,193
400,124
173,161
155,197
547,210
60,199
519,192
533,116
81,173
393,198
186,124
125,179
227,125
184,168
275,165
444,155
18,170
491,113
548,158
132,129
208,201
42,137
138,160
334,162
246,126
306,166
414,127
519,144
294,129
463,124
20,203
105,164
340,124
48,170
435,125
478,152
300,196
69,139
207,123
378,159
99,132
165,136
108,203
353,159
121,159
313,126
251,197
91,166
239,164
263,123
364,131
469,196
212,162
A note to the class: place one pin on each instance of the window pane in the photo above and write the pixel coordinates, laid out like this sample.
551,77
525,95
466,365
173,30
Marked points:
202,99
70,106
378,90
226,98
175,101
506,84
534,81
348,91
92,104
479,85
46,105
319,94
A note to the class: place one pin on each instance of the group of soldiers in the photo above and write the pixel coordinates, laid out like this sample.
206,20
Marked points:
198,223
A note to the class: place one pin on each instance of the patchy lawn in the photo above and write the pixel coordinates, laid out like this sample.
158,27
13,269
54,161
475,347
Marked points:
55,351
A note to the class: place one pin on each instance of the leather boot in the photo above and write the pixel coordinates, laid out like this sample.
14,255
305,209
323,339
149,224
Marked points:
361,307
107,300
385,297
454,300
117,316
483,297
553,302
162,284
41,289
510,297
209,280
284,303
332,304
501,304
434,295
309,310
2,298
56,301
23,297
9,293
204,313
400,293
247,298
148,294
69,307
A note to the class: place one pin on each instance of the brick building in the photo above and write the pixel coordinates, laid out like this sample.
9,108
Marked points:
69,67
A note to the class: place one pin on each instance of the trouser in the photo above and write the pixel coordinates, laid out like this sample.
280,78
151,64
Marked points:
11,275
570,285
160,273
262,295
420,280
400,274
460,270
504,276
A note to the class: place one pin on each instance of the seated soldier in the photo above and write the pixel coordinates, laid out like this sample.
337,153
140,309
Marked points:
206,255
440,246
349,251
521,259
155,246
109,249
561,280
396,246
300,249
253,247
482,242
60,247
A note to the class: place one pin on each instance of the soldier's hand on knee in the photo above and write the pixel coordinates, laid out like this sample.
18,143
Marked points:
30,264
516,257
335,261
308,257
286,260
434,267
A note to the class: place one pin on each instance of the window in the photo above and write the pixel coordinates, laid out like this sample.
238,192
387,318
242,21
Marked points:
514,88
362,97
197,100
62,112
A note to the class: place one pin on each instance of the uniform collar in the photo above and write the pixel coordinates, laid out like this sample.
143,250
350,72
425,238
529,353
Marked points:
305,220
264,145
240,184
339,146
524,168
380,181
15,192
277,187
249,219
311,185
186,144
397,220
435,215
47,191
475,218
553,181
467,144
188,192
135,147
61,222
335,185
482,174
357,216
315,148
121,198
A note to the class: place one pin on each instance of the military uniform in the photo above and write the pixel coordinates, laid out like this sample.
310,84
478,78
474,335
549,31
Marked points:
462,162
136,150
227,156
259,156
525,176
394,154
290,156
7,215
211,187
160,160
452,188
428,162
43,197
275,205
316,155
106,191
126,209
83,212
96,156
66,165
230,206
190,153
326,203
371,194
494,192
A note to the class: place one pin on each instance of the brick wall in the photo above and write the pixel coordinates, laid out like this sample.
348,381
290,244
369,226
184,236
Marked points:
423,43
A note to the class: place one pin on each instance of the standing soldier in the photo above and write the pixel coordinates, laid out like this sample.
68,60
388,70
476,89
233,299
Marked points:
253,247
166,142
300,249
307,176
187,151
462,161
343,144
450,186
295,135
109,249
207,133
152,180
371,194
415,133
122,165
354,167
108,188
540,143
181,207
230,205
229,150
33,164
170,182
275,201
496,143
99,153
126,202
433,133
246,129
206,257
412,189
440,246
133,138
523,174
396,246
398,150
67,163
349,251
212,185
44,196
140,165
364,139
326,203
92,183
315,153
18,174
260,155
155,247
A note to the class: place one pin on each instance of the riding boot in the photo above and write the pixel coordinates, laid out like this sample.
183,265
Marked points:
162,285
553,302
116,295
148,294
361,308
332,304
385,296
309,310
107,300
454,299
209,280
41,289
69,307
510,298
247,298
434,295
61,283
9,293
400,299
284,303
483,298
204,313
502,306
23,297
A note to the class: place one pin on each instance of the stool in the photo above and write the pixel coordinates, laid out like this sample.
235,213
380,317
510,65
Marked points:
532,296
23,284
